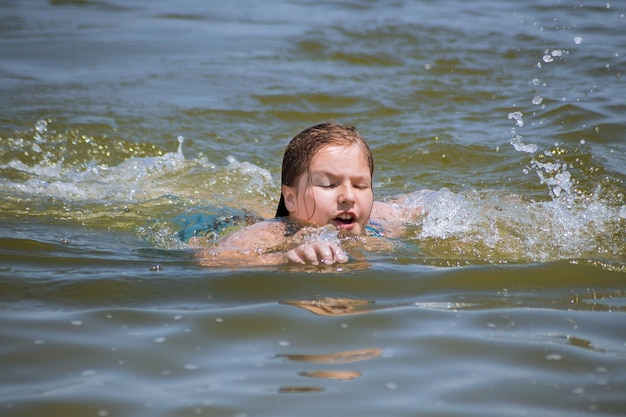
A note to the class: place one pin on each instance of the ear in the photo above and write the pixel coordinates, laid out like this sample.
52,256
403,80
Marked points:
290,195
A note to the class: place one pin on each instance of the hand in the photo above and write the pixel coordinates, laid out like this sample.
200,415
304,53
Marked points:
315,253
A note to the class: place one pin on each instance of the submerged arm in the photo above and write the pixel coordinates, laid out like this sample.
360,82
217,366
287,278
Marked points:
264,243
252,245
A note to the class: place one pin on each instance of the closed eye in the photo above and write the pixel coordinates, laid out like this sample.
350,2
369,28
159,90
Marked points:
333,185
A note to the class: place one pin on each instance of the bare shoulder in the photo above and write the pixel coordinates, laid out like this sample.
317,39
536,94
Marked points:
382,210
394,215
407,207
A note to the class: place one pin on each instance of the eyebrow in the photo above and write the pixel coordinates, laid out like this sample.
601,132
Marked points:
321,175
330,173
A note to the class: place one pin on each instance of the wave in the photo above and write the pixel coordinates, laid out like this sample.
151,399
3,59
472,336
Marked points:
164,197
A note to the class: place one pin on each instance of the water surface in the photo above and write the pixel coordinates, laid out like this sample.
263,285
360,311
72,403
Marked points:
128,126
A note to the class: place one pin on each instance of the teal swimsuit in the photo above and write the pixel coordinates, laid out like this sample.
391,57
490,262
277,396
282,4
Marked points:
375,229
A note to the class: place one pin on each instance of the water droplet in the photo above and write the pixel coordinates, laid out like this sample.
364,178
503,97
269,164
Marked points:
156,268
180,147
554,357
548,58
537,100
517,116
41,126
522,147
391,385
578,40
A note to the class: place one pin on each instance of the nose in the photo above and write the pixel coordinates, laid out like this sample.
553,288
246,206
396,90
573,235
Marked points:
346,194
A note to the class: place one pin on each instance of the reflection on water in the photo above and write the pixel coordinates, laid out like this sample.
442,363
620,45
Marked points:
299,390
340,375
329,374
602,301
339,357
329,306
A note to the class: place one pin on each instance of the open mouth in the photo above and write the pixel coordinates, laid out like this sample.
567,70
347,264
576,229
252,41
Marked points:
345,219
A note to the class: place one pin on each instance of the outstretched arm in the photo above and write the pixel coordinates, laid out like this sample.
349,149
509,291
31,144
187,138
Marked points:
264,243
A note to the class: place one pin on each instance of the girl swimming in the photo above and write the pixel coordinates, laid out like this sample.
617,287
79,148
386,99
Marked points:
326,191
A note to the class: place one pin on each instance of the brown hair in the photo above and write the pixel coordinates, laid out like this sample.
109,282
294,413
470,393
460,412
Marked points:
306,144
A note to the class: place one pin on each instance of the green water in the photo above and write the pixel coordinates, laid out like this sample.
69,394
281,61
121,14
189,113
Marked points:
123,125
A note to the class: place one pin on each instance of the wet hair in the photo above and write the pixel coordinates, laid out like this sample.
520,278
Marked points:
306,144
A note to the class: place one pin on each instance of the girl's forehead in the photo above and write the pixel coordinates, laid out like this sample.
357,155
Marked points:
339,151
337,158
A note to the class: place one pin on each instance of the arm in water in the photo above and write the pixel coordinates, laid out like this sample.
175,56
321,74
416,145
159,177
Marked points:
270,242
265,243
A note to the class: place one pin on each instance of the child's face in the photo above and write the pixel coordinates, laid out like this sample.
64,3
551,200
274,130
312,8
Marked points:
336,190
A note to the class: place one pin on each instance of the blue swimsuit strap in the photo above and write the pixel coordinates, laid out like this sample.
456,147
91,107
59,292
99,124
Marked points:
375,229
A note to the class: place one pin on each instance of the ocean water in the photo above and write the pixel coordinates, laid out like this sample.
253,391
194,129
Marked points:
128,126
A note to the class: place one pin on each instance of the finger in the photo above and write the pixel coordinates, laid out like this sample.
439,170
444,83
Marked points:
325,253
338,253
307,254
294,257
